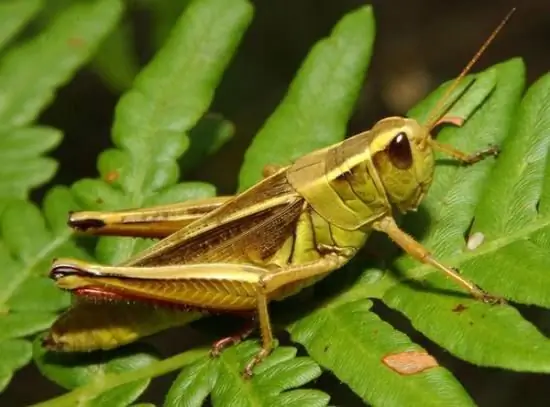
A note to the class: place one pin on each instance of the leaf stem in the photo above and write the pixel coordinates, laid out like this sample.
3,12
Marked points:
81,395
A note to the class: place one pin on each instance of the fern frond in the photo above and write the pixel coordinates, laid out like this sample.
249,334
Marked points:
30,73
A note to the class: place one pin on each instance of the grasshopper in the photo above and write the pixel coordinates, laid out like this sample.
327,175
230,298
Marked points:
236,254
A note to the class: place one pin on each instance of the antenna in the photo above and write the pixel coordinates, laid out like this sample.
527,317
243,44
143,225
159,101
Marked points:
438,111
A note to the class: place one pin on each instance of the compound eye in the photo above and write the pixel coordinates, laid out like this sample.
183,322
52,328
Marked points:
399,152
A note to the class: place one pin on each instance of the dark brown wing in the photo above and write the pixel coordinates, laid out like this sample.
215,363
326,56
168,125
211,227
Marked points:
272,208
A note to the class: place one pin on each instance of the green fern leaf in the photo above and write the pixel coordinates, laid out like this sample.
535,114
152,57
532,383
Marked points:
14,14
270,386
23,166
116,60
29,74
29,302
155,109
507,201
130,190
124,374
29,239
511,260
320,100
163,13
349,48
476,332
151,125
351,341
72,371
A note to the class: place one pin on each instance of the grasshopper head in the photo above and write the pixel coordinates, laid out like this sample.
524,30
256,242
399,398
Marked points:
402,149
404,159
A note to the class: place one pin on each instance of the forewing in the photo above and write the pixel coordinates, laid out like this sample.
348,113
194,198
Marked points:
249,228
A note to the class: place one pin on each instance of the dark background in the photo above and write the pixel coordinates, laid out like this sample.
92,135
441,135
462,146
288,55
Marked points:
418,45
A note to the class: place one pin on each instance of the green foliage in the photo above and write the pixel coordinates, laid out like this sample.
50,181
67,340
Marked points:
23,165
64,45
221,378
73,371
115,60
201,44
13,17
124,375
452,203
28,300
302,123
340,334
30,72
161,130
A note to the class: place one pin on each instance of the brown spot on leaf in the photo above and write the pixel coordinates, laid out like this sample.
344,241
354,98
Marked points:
459,308
111,176
76,42
411,362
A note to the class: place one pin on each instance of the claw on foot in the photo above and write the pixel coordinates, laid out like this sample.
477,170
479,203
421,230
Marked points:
495,150
492,299
487,298
248,370
492,150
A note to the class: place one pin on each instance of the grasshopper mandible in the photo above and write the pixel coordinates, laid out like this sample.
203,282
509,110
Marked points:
293,228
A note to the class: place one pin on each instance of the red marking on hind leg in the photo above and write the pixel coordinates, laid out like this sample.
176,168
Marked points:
234,339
